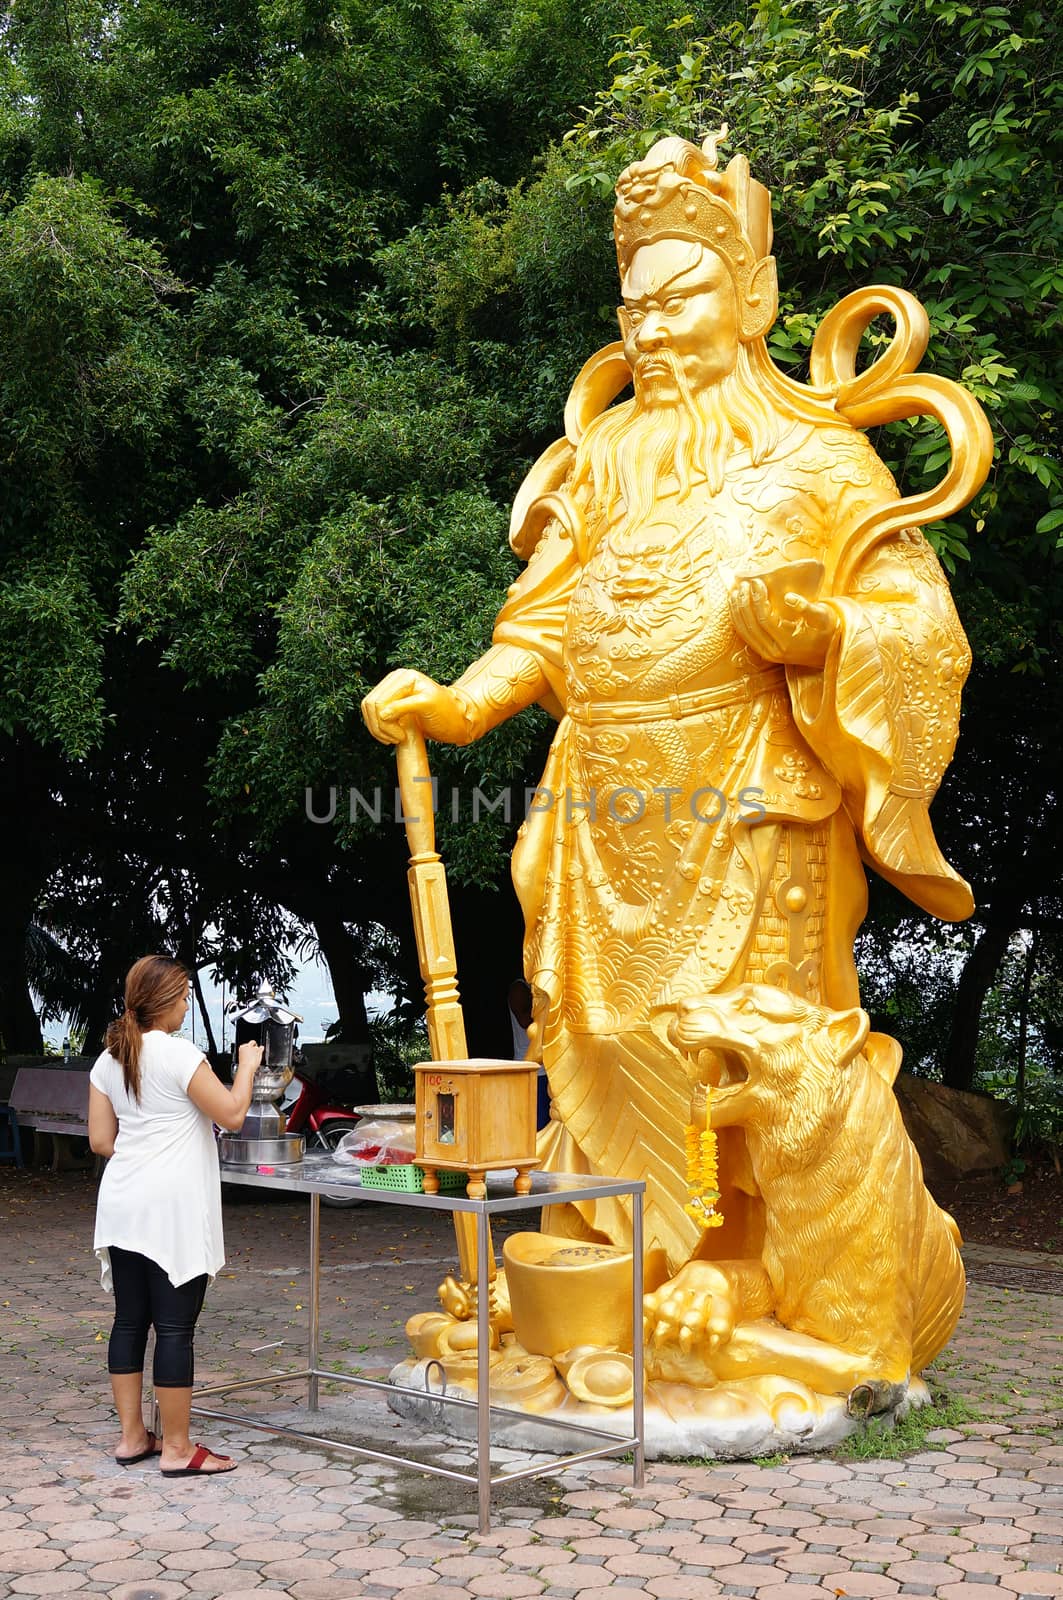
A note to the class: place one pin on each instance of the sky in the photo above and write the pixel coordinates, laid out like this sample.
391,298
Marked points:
310,997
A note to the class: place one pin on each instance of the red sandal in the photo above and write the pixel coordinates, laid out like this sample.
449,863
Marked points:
194,1466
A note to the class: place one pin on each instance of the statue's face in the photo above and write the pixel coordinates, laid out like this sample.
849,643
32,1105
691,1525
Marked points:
679,300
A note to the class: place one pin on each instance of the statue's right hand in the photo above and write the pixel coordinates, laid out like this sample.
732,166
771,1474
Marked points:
406,697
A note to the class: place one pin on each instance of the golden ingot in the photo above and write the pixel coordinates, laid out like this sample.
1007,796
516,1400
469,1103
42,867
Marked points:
425,1330
460,1339
527,1381
434,1333
602,1378
566,1294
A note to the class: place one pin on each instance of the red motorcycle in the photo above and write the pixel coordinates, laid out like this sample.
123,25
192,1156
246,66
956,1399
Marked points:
321,1120
316,1115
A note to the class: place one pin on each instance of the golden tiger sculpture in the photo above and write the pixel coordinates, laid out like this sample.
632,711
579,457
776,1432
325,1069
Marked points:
859,1281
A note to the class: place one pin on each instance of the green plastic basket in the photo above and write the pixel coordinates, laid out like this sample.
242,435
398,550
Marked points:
411,1179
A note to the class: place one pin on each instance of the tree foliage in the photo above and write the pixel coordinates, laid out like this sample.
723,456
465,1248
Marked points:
291,292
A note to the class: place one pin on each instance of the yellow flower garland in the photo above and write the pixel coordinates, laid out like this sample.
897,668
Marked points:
703,1177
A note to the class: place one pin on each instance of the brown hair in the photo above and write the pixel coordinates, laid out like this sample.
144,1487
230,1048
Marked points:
152,985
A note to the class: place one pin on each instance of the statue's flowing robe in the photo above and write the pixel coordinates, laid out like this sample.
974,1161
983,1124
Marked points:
704,811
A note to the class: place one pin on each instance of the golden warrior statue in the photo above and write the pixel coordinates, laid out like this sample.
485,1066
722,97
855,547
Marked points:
756,667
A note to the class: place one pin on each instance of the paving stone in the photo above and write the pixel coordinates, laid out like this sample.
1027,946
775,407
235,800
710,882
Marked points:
364,1558
506,1585
997,1536
434,1591
810,1563
533,1556
935,1544
560,1528
32,1559
617,1591
342,1539
310,1521
629,1517
870,1584
821,1472
473,1566
264,1550
21,1539
793,1591
641,1565
115,1549
49,1583
845,1538
922,1572
718,1557
591,1594
197,1560
750,1575
288,1570
258,1592
329,1589
570,1576
161,1589
1039,1583
176,1539
684,1541
773,1544
137,1568
684,1586
964,1590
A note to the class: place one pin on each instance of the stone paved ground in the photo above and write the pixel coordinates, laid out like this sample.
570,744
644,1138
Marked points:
976,1510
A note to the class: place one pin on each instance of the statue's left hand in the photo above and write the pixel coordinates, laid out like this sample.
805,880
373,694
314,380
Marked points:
790,629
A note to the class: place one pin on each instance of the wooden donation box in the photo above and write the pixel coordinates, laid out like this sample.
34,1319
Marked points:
476,1117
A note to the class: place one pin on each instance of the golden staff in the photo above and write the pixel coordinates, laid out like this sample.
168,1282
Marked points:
436,957
429,903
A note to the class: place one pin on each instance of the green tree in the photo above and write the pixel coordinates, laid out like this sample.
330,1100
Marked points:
292,293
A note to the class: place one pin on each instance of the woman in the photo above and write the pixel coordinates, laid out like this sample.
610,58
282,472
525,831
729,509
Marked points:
152,1102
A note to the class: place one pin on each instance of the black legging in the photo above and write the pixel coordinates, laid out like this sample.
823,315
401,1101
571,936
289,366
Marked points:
144,1297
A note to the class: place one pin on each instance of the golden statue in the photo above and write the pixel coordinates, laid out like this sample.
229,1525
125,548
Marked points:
756,667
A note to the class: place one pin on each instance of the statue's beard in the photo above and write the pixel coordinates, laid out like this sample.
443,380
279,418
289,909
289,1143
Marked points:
671,437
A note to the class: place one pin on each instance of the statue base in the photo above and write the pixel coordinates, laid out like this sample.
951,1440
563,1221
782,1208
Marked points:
740,1420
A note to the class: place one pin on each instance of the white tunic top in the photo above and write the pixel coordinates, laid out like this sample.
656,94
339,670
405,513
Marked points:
160,1194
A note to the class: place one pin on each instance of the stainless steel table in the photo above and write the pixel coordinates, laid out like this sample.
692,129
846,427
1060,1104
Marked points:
319,1174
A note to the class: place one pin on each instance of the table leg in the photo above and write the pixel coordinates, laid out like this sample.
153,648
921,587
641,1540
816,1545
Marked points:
483,1373
315,1300
638,1399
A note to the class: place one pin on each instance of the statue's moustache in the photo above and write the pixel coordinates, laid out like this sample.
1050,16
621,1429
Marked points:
657,364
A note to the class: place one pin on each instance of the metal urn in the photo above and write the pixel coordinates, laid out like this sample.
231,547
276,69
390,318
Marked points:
262,1139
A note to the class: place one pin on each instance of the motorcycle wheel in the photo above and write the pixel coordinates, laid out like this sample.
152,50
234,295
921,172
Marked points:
328,1139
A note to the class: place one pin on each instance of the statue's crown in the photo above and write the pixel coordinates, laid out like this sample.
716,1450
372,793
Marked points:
676,192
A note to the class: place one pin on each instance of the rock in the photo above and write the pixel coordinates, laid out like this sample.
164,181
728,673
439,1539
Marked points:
955,1132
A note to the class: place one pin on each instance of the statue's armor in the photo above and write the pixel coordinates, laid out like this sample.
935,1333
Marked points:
661,686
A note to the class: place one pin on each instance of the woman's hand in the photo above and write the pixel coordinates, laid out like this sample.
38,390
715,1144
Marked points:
249,1056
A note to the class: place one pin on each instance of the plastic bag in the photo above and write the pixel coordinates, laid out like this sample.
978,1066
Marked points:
378,1142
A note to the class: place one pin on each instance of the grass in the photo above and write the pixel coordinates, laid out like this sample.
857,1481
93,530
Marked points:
883,1439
